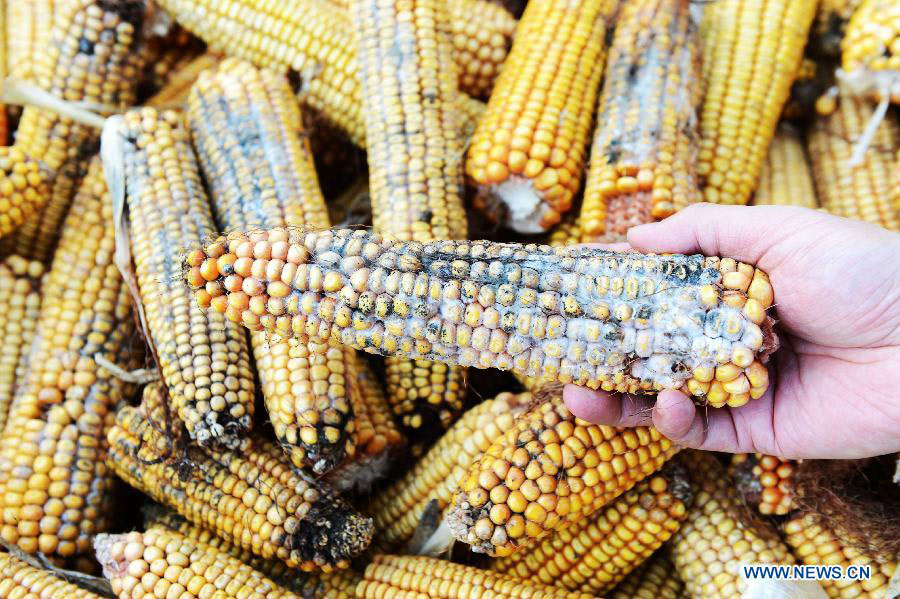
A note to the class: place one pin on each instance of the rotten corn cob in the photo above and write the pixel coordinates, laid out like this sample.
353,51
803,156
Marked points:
550,470
786,178
751,52
414,149
56,488
21,581
870,50
162,564
251,145
408,576
646,138
765,482
528,152
814,543
717,539
618,321
204,360
20,304
655,579
252,498
861,191
94,56
398,508
596,553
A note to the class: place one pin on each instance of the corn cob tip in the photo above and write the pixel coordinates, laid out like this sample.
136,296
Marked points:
619,321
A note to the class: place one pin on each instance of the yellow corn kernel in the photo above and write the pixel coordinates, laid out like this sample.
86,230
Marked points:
21,580
786,178
656,579
870,50
765,481
831,21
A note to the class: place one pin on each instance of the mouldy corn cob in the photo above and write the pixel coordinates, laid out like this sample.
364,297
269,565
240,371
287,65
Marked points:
715,541
528,152
814,543
252,498
414,150
786,178
752,50
398,508
378,437
94,55
570,314
175,92
203,358
863,191
28,26
550,470
596,553
655,579
250,142
870,50
21,581
645,141
20,305
56,488
831,21
162,563
402,576
765,481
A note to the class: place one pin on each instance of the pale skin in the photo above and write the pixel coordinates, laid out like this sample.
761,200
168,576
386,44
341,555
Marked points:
835,381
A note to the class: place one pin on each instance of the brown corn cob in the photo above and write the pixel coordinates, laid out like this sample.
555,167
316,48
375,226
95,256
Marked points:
56,488
174,93
655,579
28,26
765,481
814,543
862,191
870,49
20,305
596,553
715,541
578,315
251,145
94,55
204,359
831,21
252,498
398,508
161,563
550,470
408,576
645,142
786,178
414,150
528,152
752,50
21,581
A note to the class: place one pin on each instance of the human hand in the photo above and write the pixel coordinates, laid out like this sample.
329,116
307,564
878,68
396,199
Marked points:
835,381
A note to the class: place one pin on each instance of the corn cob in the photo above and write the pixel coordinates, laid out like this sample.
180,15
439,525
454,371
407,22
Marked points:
414,150
527,154
814,543
870,50
655,579
752,50
167,56
252,498
94,55
765,482
408,576
645,141
831,21
4,55
398,508
24,187
28,26
20,304
550,470
55,486
596,553
377,436
682,321
162,563
714,541
786,178
567,232
21,581
250,143
174,93
862,191
204,359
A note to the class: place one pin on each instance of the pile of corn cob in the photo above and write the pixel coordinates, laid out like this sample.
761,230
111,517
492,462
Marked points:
162,192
